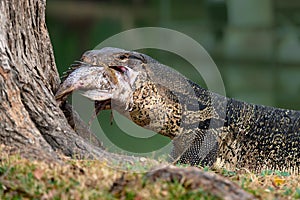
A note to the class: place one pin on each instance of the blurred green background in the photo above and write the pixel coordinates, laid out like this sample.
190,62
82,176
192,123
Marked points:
255,43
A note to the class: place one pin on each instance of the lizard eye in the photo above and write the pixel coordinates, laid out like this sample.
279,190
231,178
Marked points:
120,69
140,57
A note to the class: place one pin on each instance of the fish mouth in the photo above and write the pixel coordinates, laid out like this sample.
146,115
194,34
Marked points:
63,92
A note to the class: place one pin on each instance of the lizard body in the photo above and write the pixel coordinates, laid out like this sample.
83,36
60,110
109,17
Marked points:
206,128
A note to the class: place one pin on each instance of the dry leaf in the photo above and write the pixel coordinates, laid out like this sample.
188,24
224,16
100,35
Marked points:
278,181
38,174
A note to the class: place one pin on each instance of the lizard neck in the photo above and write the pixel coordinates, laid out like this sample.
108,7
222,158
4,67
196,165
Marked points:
156,108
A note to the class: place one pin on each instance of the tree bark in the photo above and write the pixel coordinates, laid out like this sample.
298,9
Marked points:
31,121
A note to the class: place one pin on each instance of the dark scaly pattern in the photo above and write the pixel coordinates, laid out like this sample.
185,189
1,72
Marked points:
253,136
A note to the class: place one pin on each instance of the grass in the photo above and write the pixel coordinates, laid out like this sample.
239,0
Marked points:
24,179
268,184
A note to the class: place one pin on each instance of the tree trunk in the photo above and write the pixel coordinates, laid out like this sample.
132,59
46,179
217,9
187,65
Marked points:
31,121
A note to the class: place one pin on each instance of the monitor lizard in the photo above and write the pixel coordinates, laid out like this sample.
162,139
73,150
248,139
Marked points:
206,128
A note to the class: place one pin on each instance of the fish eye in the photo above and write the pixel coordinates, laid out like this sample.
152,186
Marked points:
139,57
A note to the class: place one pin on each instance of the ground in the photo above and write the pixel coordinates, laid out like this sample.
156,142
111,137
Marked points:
89,179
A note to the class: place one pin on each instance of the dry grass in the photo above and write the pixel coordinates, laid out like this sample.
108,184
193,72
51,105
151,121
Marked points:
24,179
268,184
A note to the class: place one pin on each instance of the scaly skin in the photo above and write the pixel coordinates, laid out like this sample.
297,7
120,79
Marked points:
206,128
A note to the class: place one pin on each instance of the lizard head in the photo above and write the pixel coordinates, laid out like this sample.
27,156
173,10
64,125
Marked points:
103,75
130,81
